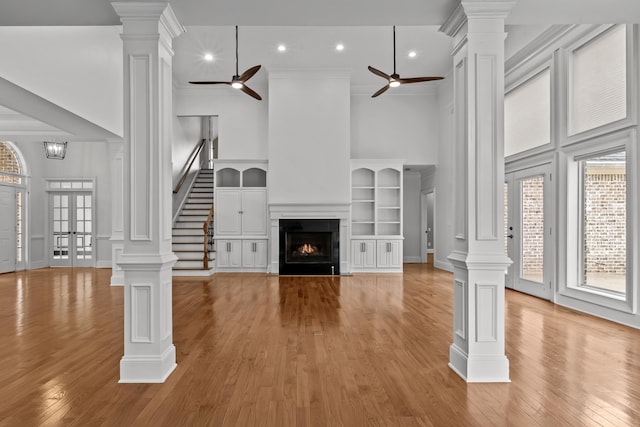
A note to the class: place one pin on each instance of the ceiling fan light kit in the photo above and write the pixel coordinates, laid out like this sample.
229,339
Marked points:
237,81
394,79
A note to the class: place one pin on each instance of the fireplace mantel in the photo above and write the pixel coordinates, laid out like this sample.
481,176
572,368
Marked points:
278,211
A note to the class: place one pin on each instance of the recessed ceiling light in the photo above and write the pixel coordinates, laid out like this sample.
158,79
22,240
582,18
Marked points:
339,46
208,57
412,54
282,48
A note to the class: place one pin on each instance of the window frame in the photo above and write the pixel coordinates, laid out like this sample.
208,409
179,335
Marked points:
572,205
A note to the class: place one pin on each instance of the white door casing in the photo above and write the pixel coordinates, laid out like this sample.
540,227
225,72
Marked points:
7,229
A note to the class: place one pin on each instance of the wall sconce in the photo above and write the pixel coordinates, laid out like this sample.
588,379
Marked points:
55,150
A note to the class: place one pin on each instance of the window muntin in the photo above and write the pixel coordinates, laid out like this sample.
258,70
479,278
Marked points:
598,81
527,115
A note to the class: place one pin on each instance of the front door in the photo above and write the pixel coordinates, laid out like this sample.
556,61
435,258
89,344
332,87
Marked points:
71,228
528,231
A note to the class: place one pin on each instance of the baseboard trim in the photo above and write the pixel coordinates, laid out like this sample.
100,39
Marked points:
443,266
148,369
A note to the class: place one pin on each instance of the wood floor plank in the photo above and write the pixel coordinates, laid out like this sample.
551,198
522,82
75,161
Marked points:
262,350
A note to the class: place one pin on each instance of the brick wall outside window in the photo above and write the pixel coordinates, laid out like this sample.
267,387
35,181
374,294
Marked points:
605,220
9,163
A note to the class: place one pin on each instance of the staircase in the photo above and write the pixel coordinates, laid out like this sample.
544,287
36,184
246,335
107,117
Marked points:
189,233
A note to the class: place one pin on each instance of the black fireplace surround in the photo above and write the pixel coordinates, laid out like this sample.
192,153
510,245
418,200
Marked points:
309,246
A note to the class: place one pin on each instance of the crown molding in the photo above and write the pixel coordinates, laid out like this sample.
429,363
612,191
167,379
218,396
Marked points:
454,22
487,9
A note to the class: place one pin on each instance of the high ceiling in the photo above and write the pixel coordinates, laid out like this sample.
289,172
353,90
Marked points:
313,48
310,29
313,12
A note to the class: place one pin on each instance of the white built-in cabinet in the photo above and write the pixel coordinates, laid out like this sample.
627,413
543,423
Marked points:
240,215
376,215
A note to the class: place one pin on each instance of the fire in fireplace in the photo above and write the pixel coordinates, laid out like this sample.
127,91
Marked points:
310,246
307,249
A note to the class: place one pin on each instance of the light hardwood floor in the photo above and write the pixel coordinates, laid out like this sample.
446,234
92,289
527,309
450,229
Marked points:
253,349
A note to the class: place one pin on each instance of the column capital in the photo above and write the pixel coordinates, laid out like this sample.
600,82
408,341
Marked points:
136,17
472,9
487,9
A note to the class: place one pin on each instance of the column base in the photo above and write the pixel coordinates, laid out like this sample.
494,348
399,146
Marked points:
479,369
148,368
117,273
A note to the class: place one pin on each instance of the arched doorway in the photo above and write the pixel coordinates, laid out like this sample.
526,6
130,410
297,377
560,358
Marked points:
12,209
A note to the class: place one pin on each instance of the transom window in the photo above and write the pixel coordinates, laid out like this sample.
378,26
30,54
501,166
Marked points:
598,81
527,115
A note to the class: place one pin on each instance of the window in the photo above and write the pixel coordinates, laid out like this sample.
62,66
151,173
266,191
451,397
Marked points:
527,115
598,81
10,167
603,262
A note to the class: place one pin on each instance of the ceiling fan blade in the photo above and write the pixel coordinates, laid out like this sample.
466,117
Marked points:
381,91
418,79
379,73
210,83
246,89
249,73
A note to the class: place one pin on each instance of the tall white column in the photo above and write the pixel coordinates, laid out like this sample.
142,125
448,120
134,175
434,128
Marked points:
148,31
117,210
478,351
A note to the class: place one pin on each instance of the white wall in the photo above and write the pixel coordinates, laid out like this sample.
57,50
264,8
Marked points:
395,127
83,160
411,216
186,136
443,178
309,123
78,68
242,120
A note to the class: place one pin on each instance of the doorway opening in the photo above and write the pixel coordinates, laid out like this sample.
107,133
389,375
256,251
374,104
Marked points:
427,240
71,223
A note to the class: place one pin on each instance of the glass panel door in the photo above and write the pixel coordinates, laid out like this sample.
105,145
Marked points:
71,229
527,231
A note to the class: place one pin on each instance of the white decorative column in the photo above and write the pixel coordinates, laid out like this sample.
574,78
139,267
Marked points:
148,31
117,210
478,350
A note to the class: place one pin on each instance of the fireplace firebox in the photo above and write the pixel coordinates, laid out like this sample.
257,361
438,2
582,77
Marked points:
309,246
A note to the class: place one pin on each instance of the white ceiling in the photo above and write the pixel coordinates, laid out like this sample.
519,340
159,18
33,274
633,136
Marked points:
313,48
314,12
18,127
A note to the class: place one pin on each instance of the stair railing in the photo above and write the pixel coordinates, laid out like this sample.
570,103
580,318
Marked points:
205,229
193,157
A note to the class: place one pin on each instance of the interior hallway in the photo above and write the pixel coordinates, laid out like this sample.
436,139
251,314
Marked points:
255,349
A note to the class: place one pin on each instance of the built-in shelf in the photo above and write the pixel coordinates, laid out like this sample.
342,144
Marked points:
376,200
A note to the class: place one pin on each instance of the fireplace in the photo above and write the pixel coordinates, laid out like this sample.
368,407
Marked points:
309,246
